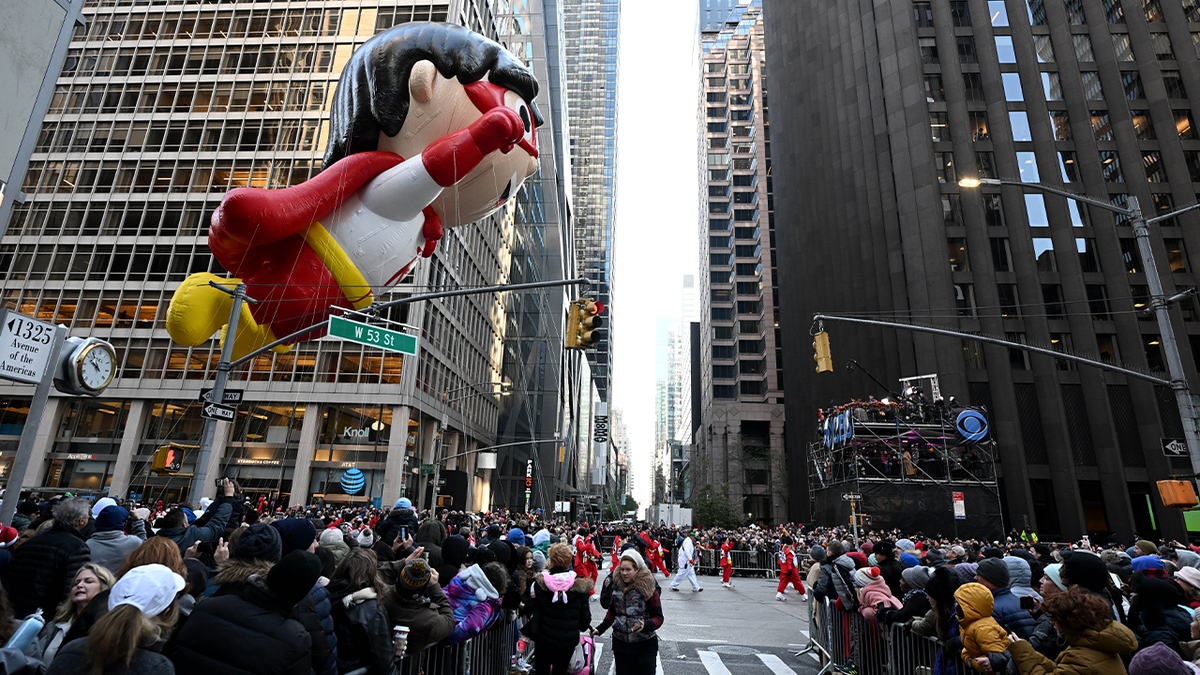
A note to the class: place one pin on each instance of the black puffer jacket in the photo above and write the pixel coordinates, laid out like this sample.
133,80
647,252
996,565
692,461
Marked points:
397,519
557,625
364,633
323,607
431,534
42,569
245,634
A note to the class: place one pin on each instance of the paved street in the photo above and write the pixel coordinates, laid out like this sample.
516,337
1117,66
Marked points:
741,630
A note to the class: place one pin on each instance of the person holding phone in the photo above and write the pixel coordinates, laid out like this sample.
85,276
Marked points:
635,614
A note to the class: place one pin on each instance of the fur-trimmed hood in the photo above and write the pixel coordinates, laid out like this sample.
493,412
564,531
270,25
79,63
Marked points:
237,571
643,582
581,585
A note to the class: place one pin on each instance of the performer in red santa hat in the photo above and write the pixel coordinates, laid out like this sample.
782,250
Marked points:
788,572
432,126
654,556
726,564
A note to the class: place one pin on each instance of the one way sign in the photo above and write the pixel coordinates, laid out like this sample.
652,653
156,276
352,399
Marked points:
216,411
1174,447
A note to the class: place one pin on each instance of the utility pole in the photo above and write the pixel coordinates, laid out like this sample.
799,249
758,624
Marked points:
200,475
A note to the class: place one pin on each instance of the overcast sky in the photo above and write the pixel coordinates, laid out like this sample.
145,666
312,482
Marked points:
657,203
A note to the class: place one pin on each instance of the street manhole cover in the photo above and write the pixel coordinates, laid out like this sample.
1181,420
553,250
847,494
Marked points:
733,649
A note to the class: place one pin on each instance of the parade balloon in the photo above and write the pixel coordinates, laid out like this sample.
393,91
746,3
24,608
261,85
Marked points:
432,126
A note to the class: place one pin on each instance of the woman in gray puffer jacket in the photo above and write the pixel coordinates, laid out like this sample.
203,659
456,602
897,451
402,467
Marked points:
635,614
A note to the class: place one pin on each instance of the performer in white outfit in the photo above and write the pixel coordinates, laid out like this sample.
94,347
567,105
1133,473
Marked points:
687,565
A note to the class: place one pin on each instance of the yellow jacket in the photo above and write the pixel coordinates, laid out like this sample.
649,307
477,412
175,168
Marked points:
980,632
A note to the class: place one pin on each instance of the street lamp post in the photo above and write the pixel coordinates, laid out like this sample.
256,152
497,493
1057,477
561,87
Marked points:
505,389
1158,301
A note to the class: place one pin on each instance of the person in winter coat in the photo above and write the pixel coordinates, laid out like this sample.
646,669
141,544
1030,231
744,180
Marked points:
841,573
316,612
363,631
251,632
993,573
401,522
334,541
914,602
635,614
873,593
177,529
119,642
109,544
1095,643
889,568
454,557
474,596
686,559
416,600
1019,577
43,568
255,550
942,621
981,633
560,612
430,535
816,571
789,571
1155,614
541,545
89,580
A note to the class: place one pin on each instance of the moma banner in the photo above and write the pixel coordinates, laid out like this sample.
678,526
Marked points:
600,443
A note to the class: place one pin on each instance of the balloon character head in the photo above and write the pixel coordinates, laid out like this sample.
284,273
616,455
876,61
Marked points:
432,126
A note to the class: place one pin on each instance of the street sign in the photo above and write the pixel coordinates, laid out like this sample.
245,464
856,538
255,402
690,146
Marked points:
1174,447
960,506
25,346
427,469
851,497
233,396
372,336
216,411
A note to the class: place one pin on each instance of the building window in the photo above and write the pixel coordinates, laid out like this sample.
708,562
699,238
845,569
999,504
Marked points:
1131,80
1097,296
985,162
1045,50
973,85
973,354
1083,48
1078,214
1043,251
1106,345
1153,10
1052,86
1154,357
1004,49
1009,303
1142,301
944,162
1176,254
1018,359
960,13
1088,261
1012,86
934,91
993,210
952,210
964,299
1110,166
977,121
1035,209
1122,47
1052,296
724,391
1037,12
1163,50
1174,84
1075,12
1142,124
1101,126
1152,162
1192,159
1113,11
1191,9
958,255
1027,165
1184,126
939,126
929,51
1018,120
1130,255
998,12
966,50
1061,123
1061,342
1092,90
1070,168
1001,255
923,14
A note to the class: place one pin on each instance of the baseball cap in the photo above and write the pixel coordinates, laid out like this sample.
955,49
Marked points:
150,588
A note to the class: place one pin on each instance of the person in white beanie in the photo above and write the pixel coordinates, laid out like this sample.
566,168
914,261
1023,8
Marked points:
101,504
366,537
119,640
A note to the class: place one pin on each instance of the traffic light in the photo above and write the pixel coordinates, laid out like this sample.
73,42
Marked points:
822,356
168,459
583,324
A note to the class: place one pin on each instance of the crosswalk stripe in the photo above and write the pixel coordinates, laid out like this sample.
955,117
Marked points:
776,664
712,663
658,669
598,654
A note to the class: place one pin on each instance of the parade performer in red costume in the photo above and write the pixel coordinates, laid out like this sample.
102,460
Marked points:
789,573
585,553
432,126
726,564
654,556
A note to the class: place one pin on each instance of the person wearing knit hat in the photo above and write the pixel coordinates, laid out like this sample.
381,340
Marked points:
916,577
1052,581
1189,580
334,541
915,603
416,600
873,592
817,553
1158,659
1081,568
109,544
1146,547
296,534
993,573
101,504
366,538
516,536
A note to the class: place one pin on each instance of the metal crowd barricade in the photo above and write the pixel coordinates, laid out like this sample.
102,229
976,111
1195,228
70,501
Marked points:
745,563
839,638
489,653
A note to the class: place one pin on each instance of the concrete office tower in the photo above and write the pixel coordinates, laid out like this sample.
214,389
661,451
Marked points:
159,110
739,446
1091,96
592,32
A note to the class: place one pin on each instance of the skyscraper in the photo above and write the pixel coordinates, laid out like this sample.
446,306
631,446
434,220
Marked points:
158,111
1093,97
739,446
592,30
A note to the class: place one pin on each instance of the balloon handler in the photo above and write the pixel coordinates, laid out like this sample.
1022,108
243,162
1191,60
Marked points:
432,126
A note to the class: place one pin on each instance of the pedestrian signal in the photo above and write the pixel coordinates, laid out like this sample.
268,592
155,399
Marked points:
168,459
821,353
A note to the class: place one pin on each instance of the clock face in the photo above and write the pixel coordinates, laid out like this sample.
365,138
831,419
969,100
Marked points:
96,367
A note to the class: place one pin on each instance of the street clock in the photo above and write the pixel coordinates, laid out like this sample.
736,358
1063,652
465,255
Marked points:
89,367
